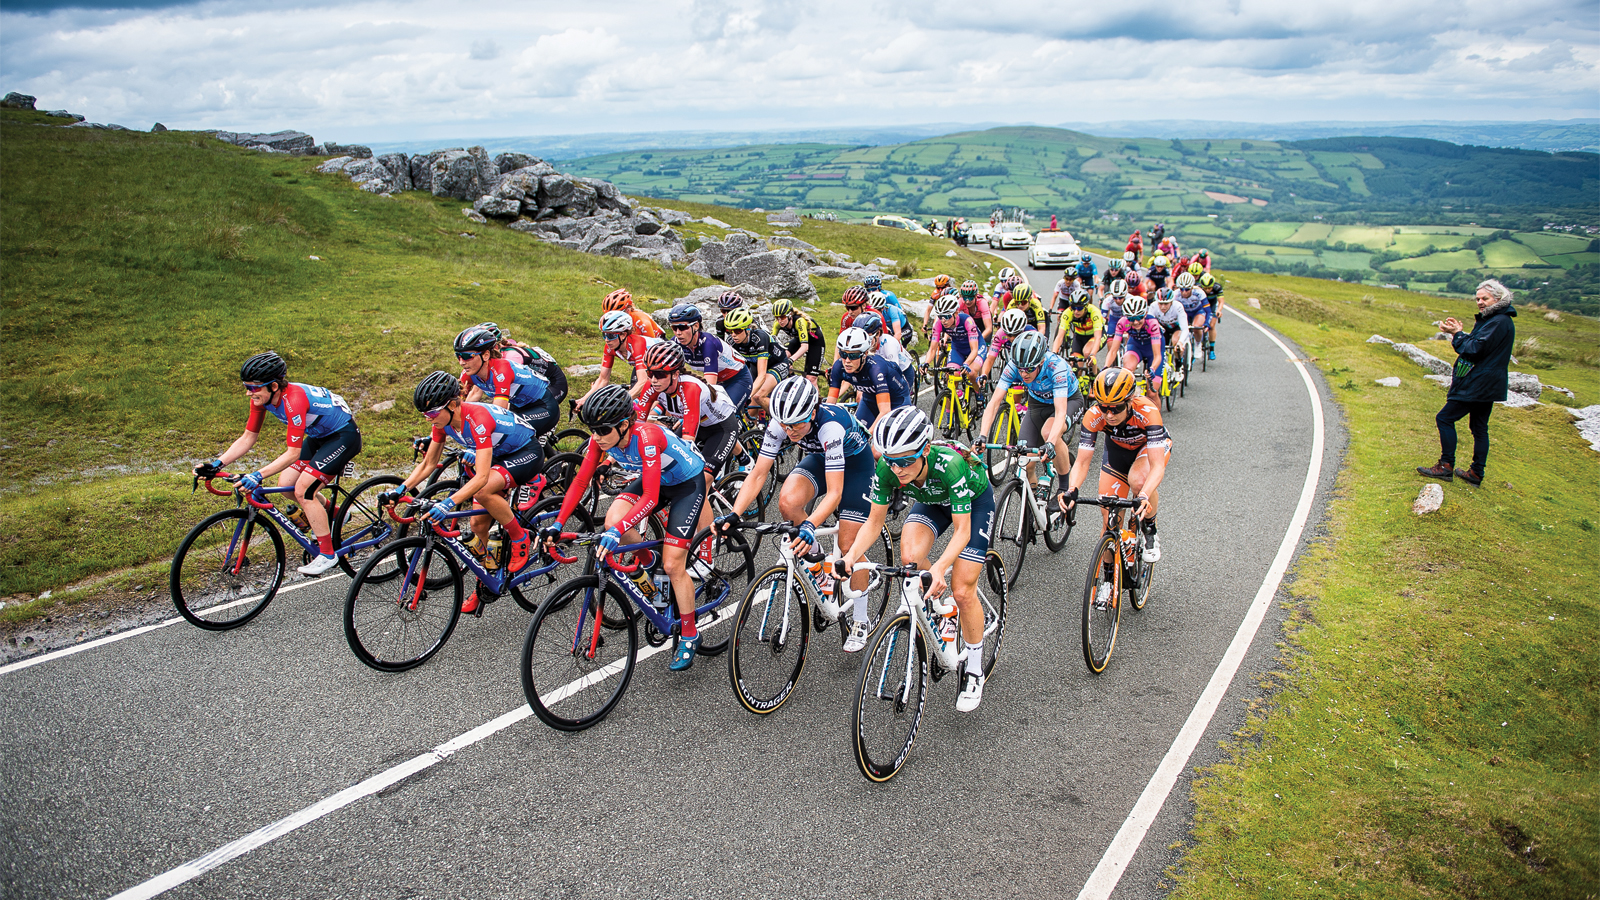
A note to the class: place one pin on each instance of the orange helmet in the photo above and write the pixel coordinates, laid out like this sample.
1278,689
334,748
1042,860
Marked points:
617,299
941,281
1112,386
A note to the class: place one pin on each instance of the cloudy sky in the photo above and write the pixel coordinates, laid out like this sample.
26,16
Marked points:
418,70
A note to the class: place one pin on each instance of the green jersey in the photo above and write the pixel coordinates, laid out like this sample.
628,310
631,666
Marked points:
952,481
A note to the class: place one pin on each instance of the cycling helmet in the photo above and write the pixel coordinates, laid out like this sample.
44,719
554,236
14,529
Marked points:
617,299
1185,281
872,282
1195,269
903,432
263,368
665,356
1203,254
684,312
794,401
1119,287
1129,257
435,390
855,295
1166,295
1010,284
1160,260
941,281
1008,272
1022,293
610,405
870,322
738,319
1207,280
1135,306
782,308
476,339
729,300
1116,265
492,328
1028,351
616,322
1079,298
945,307
1112,386
854,340
876,300
969,288
1013,322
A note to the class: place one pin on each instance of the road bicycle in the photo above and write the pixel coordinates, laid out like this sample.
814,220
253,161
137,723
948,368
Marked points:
559,468
1006,430
1172,370
582,644
395,623
1117,566
954,401
230,566
773,625
1024,511
922,640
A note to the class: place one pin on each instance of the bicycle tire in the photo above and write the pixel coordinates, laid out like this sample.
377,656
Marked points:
995,461
771,632
359,519
1057,528
994,609
1140,595
1013,528
543,511
556,668
203,590
733,564
887,700
1100,622
565,440
559,471
398,623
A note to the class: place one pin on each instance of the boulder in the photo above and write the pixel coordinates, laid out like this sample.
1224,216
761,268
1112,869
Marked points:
885,263
521,185
537,229
1519,401
645,222
1438,336
15,100
422,168
1379,339
488,173
1391,381
297,142
498,207
1423,358
259,148
370,175
787,217
555,191
793,243
508,162
715,259
607,195
829,272
1441,380
457,173
1429,499
63,114
780,273
335,165
157,128
1523,383
1254,303
474,215
1587,421
672,216
359,151
717,222
399,166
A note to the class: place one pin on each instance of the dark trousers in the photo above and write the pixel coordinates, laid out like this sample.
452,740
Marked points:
1477,415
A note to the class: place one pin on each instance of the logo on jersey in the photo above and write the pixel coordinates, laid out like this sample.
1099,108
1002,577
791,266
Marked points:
296,420
650,452
500,377
478,428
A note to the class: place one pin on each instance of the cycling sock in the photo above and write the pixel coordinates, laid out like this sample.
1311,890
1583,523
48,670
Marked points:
515,531
1150,525
689,630
975,657
859,611
325,543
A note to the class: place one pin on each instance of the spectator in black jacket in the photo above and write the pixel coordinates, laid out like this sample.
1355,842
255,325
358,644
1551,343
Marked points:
1479,381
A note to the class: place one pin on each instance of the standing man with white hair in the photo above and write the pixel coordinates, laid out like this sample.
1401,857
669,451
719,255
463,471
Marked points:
1479,381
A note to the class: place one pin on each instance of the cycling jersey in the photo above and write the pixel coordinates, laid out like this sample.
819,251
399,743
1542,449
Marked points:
713,357
1144,331
504,378
543,365
307,410
835,433
1158,275
965,336
1092,323
889,299
1033,309
802,329
1086,271
632,348
1054,379
893,316
645,324
891,350
1193,300
1171,320
485,426
1141,429
655,455
952,481
695,402
876,376
979,308
758,345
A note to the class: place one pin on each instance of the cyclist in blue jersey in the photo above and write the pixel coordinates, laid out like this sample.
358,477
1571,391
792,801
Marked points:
966,344
1053,399
875,283
896,324
880,386
486,374
718,363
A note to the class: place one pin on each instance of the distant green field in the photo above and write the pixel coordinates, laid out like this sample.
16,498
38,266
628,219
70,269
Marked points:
1309,232
1509,255
1362,235
1418,243
1439,262
1269,232
1444,229
1346,259
1548,243
1569,260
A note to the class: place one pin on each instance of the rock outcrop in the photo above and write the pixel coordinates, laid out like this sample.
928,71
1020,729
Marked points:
297,143
15,100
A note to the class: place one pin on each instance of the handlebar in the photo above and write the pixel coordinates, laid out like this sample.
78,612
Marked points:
1108,501
209,489
586,539
408,520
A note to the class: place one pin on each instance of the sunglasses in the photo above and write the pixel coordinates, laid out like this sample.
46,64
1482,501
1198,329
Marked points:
604,430
902,462
681,327
1116,410
1031,370
733,331
851,356
616,336
252,387
465,356
436,413
660,373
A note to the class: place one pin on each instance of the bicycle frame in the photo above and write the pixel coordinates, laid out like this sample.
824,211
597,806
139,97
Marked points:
494,580
1017,456
265,506
662,620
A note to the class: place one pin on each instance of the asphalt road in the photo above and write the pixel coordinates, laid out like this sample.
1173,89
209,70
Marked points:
123,762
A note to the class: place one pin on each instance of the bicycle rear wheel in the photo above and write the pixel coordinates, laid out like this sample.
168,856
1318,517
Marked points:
397,623
1102,604
1139,593
226,570
890,697
359,520
770,635
1013,528
574,671
566,440
734,565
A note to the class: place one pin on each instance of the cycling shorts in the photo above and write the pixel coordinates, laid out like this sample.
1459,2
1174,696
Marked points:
542,416
1119,459
1039,413
957,358
716,443
813,364
682,501
520,466
938,518
1080,341
779,368
867,409
324,457
856,502
1146,353
739,388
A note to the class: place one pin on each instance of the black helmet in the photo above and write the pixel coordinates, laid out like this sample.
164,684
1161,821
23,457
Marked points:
610,405
684,312
264,367
494,330
476,339
434,391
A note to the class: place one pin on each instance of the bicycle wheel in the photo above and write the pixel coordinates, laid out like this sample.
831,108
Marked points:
574,671
770,635
394,624
359,520
566,440
994,608
1167,395
1139,593
1013,528
1101,613
997,462
947,415
1056,527
560,469
890,696
734,565
226,570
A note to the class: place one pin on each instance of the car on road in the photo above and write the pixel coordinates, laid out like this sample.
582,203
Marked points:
899,222
1054,248
1010,236
979,232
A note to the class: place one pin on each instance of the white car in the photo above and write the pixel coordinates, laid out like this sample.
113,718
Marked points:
979,233
1054,248
1010,236
899,222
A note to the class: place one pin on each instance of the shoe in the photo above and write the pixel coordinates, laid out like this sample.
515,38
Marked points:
700,570
1152,547
971,692
319,564
1211,355
1102,598
860,630
519,553
471,605
1441,470
1469,476
683,657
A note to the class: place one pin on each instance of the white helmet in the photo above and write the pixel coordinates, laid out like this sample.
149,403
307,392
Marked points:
794,401
903,432
1135,306
1160,260
1127,256
1013,321
1185,282
854,340
616,322
875,300
1007,272
1119,287
946,306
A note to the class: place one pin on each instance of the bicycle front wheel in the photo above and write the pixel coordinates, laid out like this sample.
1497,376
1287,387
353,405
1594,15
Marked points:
734,565
770,635
994,609
359,520
400,619
1013,528
1139,593
1102,604
574,670
1057,528
890,698
227,569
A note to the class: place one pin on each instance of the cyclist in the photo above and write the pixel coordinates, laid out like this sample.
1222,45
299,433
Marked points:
941,283
752,342
667,474
800,336
1196,305
1167,247
717,362
505,454
836,472
727,302
1053,399
1213,286
1137,451
1085,275
1114,272
949,490
1139,338
874,282
977,306
879,384
1203,257
1023,298
1112,305
620,338
1135,244
855,301
1130,266
1064,289
1168,313
1159,271
965,343
1086,323
543,364
321,436
895,323
887,347
1013,322
486,374
643,322
710,420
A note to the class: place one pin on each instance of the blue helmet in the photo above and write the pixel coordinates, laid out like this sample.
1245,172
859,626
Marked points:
870,323
684,312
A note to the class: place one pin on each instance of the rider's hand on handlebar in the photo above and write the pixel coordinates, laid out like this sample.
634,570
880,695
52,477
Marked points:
208,468
391,496
249,481
608,542
437,511
724,523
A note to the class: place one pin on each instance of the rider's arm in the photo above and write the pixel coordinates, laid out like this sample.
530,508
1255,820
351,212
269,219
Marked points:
580,481
835,380
504,380
869,533
753,482
246,439
693,397
650,436
477,422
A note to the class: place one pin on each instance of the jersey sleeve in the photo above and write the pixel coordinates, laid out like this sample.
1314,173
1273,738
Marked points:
502,378
479,425
580,482
772,439
257,416
883,484
652,446
694,404
831,436
295,408
1094,421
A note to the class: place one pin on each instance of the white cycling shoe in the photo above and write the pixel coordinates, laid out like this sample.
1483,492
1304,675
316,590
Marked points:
1152,548
971,692
318,565
859,632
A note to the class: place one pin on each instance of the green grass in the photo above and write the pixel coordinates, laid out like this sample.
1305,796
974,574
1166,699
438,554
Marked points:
1439,262
1418,243
1550,243
1311,231
1509,255
1435,714
1570,260
1269,232
1371,238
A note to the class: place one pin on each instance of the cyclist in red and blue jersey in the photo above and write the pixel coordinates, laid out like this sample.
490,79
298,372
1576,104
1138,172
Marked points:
667,474
536,358
880,386
719,364
504,452
321,437
1138,337
710,421
620,339
966,345
485,373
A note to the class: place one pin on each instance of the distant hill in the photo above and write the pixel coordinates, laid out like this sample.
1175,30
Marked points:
1548,134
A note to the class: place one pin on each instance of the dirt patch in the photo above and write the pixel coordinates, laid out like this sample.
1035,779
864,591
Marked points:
81,620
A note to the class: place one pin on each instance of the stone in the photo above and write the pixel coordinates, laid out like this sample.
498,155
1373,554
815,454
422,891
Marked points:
717,222
335,165
1560,390
456,173
1391,381
829,272
1441,380
645,222
382,406
518,185
1515,400
157,128
422,168
474,215
555,191
63,114
359,151
607,195
793,243
259,148
498,207
582,371
296,142
1439,336
1423,358
15,100
1254,303
885,263
508,162
370,175
672,216
1429,499
787,217
399,166
1379,339
952,254
537,229
1523,383
780,273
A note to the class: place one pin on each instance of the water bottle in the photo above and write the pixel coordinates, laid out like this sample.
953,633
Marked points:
491,555
822,574
298,516
663,593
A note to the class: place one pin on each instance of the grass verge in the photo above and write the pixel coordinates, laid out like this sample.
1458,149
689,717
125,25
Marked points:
1433,728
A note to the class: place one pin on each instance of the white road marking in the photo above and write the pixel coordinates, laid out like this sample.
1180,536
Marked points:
1115,861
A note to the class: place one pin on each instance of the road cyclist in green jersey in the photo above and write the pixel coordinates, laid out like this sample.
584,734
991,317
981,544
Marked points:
949,489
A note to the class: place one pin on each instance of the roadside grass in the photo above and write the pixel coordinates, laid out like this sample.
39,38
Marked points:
1433,729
